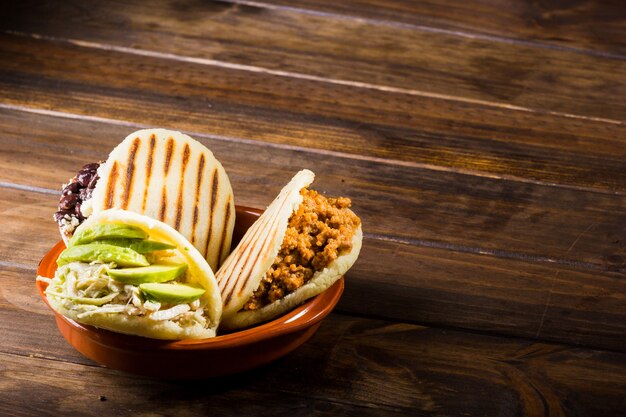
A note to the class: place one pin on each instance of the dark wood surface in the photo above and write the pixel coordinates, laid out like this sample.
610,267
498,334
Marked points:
483,144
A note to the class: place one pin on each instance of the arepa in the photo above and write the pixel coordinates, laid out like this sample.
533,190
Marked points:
170,177
88,292
298,248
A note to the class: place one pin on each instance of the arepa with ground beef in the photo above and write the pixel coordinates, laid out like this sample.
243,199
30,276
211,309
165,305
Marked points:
163,174
301,245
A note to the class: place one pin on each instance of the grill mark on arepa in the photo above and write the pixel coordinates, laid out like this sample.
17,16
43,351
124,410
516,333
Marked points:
244,246
195,206
148,171
168,155
130,172
248,266
166,168
229,279
179,202
226,271
224,230
214,187
110,190
227,276
268,215
163,204
264,248
234,280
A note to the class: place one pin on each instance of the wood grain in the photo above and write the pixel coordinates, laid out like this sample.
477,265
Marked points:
67,144
425,370
585,26
417,206
309,115
466,69
420,284
483,144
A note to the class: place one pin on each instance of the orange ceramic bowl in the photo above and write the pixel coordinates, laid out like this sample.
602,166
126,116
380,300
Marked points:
195,358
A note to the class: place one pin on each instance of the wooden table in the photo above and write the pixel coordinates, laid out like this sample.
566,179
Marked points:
483,145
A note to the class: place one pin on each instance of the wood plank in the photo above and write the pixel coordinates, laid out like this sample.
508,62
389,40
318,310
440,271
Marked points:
518,251
420,206
424,63
62,389
407,130
447,214
585,26
98,391
407,282
381,367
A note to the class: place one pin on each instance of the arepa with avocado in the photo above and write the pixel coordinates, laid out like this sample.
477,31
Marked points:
166,292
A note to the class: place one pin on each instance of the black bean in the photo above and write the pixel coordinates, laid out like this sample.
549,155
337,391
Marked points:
67,202
83,178
60,215
77,212
71,188
92,183
93,167
85,193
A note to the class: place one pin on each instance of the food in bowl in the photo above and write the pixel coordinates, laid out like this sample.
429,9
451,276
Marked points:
301,245
132,274
146,229
165,175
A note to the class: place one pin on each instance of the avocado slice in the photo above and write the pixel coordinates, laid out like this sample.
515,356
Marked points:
140,246
106,231
146,246
171,293
104,253
152,273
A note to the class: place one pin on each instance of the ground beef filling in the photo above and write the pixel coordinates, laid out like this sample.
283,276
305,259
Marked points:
320,231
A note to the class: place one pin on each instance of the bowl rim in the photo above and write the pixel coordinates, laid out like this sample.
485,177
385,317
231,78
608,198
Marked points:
306,315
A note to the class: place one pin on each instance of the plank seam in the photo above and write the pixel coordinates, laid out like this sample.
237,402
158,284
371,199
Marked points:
30,188
429,29
496,253
318,151
556,275
335,400
16,265
301,76
442,327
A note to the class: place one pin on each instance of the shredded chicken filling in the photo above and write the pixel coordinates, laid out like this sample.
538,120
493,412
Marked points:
87,290
318,232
